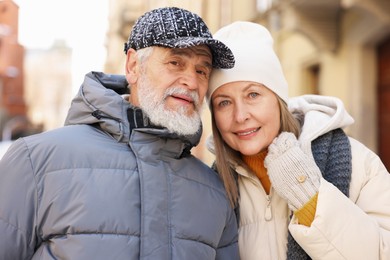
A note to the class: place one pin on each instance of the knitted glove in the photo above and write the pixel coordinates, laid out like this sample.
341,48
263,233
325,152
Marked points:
294,175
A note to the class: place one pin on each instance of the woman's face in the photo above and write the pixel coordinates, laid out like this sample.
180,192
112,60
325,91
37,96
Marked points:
247,115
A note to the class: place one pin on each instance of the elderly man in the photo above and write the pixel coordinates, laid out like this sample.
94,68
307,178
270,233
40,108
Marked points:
118,181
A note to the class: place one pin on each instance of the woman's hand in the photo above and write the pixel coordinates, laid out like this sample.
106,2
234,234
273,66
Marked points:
293,174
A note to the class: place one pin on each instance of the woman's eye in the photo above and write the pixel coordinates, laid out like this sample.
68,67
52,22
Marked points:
223,103
253,94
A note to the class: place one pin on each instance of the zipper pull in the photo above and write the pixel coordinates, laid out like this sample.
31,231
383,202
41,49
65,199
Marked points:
97,114
268,210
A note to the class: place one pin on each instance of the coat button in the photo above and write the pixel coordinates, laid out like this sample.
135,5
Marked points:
301,178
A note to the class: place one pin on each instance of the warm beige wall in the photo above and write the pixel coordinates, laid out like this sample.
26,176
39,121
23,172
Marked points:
294,52
348,74
334,81
359,33
361,91
243,10
297,53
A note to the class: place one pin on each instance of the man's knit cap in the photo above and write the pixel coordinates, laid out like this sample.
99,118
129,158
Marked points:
177,28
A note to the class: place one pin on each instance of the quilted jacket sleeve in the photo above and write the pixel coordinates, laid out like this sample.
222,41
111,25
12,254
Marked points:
17,204
228,246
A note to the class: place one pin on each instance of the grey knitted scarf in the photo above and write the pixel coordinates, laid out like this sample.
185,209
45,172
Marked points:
332,153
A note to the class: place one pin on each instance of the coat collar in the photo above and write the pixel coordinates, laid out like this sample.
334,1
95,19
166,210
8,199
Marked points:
100,102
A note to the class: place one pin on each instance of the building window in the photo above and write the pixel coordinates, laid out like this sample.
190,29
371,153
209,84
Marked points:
312,79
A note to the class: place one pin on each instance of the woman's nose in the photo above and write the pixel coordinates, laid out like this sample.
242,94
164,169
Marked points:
241,113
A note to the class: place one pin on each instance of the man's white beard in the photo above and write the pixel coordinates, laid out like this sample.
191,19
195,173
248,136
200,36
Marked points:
175,121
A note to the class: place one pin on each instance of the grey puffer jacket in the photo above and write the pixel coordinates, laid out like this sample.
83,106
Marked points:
109,185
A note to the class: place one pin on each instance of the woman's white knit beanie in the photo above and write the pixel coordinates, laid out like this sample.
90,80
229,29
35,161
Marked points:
252,46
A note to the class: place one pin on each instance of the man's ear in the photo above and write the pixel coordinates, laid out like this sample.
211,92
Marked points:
132,66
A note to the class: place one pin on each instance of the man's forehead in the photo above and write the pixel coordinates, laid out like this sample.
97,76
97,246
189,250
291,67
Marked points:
194,50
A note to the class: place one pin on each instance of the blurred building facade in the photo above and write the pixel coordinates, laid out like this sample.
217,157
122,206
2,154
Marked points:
330,47
13,109
11,60
48,84
338,48
35,84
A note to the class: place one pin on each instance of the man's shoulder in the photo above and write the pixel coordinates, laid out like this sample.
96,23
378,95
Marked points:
61,134
68,138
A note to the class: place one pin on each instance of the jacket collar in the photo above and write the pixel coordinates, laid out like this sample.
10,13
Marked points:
100,102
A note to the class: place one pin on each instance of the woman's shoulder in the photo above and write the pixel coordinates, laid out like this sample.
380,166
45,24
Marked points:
364,156
367,170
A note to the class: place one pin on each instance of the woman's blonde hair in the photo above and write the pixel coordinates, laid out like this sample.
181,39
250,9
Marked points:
226,157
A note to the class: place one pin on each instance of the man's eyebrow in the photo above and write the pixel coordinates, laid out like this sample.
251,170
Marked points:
178,51
208,65
189,52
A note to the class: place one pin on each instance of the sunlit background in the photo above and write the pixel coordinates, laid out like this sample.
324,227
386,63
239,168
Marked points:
329,47
79,25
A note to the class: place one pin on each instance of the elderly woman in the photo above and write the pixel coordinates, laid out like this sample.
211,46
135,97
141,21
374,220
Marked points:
303,189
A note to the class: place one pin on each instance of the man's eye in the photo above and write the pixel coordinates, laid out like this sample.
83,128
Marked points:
202,72
175,63
253,94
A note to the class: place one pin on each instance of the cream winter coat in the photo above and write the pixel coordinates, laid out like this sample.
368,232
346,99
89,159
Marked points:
353,228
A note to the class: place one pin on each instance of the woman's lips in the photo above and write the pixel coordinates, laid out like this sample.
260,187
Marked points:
247,131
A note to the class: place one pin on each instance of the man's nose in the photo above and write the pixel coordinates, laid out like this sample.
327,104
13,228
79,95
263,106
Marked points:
190,78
